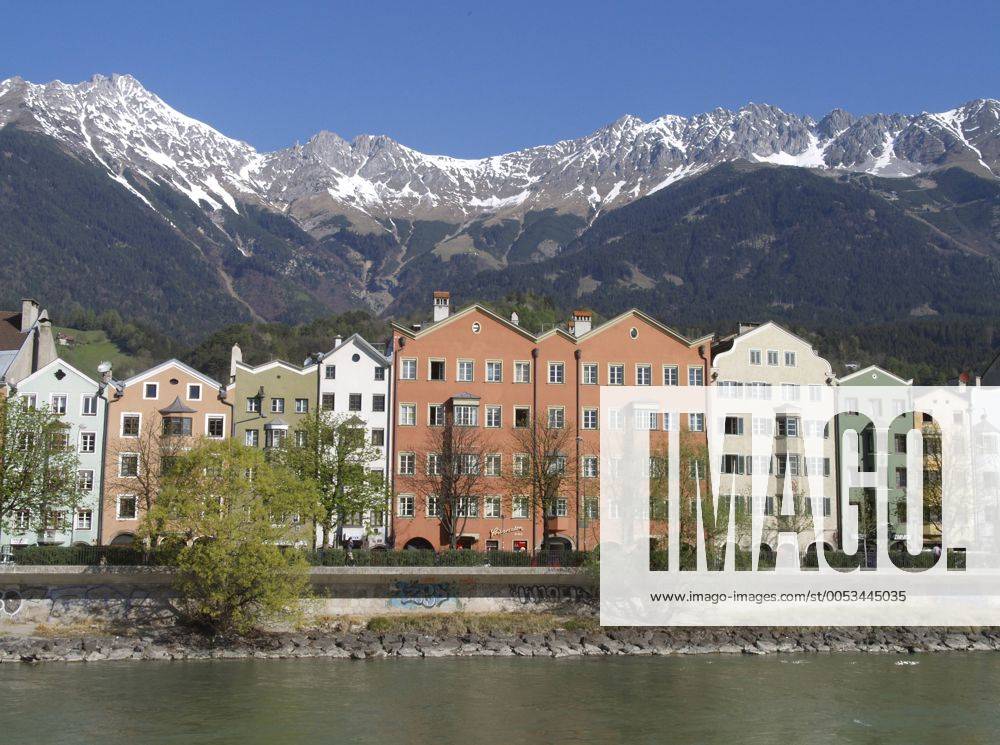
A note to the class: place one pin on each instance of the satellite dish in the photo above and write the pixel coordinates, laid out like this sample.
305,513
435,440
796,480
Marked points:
104,367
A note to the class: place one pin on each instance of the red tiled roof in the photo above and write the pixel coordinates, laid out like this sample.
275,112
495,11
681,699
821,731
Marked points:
10,330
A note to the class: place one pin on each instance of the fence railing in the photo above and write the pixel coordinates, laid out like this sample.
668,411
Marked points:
332,557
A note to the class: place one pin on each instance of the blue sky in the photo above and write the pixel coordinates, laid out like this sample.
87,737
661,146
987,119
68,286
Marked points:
473,79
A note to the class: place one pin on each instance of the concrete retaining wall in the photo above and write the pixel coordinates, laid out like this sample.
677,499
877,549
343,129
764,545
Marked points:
48,594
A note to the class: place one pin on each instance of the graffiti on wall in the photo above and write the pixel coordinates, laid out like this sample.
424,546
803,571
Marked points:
415,595
527,594
66,601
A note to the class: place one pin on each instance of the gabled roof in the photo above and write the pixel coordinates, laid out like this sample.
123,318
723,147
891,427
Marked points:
11,337
157,369
557,331
265,366
363,344
875,369
60,363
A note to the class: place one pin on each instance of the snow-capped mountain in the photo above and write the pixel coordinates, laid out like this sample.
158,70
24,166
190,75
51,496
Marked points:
373,179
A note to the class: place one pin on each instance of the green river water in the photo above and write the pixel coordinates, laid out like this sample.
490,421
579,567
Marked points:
943,698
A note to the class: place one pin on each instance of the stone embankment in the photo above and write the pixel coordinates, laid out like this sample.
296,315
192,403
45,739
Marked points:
176,645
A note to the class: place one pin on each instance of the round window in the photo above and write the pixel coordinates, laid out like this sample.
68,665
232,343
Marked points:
355,357
173,381
633,332
476,327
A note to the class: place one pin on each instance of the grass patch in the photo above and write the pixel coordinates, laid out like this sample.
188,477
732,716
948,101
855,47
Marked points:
456,624
93,347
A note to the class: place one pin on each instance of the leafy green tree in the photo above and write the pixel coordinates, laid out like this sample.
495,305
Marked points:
237,513
332,454
38,467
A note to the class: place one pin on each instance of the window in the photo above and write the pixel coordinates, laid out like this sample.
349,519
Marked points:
59,440
789,359
405,504
491,507
733,464
277,406
30,400
88,442
216,426
493,464
274,438
127,508
520,464
555,464
696,375
589,419
589,466
755,357
466,415
493,416
194,392
408,369
354,402
817,466
759,391
22,520
57,402
379,374
177,426
643,374
669,422
768,505
492,544
519,507
733,425
559,507
252,438
557,372
378,438
435,370
494,371
590,373
253,405
302,406
696,422
301,438
433,506
645,420
468,506
793,465
88,406
151,391
55,520
407,415
468,464
790,392
760,464
328,401
522,372
591,509
522,416
407,464
788,426
762,425
901,477
84,519
435,415
772,357
433,464
900,441
330,372
378,402
86,480
671,375
128,465
557,417
616,374
466,371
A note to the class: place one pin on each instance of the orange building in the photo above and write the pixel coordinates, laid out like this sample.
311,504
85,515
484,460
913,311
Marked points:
491,374
150,417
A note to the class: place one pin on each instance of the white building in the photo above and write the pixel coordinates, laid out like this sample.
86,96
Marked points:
768,363
354,380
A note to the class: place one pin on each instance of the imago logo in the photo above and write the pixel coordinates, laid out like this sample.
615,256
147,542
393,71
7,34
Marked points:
805,505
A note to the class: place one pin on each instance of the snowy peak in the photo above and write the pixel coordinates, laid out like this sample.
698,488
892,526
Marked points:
127,129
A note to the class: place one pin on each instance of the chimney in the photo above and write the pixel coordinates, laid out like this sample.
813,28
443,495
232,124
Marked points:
235,356
515,319
337,341
442,305
29,314
582,321
745,327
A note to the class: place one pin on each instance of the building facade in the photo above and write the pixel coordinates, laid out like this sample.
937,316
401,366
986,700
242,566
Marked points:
269,400
79,403
770,363
151,417
354,382
485,373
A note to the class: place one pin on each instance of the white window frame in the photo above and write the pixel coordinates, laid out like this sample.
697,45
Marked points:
121,460
408,499
587,412
255,437
79,478
675,373
791,355
759,354
492,507
145,391
696,371
444,369
591,373
93,436
118,506
64,397
78,522
463,365
494,409
492,367
696,422
617,367
83,405
560,411
776,356
491,459
646,368
190,388
408,364
216,417
301,409
277,404
522,366
407,407
410,458
556,367
520,508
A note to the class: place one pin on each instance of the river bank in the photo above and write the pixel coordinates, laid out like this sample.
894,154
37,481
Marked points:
175,644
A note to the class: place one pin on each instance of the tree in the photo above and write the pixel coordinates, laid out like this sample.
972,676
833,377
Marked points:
154,453
449,475
545,462
38,468
236,514
333,454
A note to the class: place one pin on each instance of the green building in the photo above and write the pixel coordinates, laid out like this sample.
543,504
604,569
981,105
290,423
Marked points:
269,400
861,412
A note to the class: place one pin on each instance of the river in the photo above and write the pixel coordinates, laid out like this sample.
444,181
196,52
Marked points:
942,698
